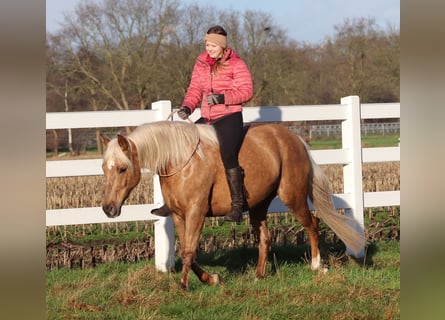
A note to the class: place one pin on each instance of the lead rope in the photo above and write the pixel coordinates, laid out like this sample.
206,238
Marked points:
198,140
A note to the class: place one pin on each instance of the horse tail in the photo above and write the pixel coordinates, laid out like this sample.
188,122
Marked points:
321,198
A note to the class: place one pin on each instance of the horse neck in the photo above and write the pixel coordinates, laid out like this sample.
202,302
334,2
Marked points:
166,144
156,146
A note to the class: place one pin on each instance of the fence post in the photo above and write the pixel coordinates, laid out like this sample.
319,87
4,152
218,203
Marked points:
164,244
352,171
164,107
164,227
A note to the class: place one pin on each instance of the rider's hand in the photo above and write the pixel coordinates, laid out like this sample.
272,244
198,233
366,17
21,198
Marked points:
184,112
215,98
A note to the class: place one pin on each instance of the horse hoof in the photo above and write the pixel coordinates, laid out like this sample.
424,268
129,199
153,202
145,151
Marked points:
322,270
183,286
214,279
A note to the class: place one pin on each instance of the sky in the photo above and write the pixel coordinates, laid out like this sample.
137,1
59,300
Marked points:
308,21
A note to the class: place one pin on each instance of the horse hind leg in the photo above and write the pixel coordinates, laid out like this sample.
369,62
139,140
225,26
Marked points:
301,212
313,238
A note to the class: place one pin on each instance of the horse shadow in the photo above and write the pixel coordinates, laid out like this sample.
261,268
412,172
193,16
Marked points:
239,260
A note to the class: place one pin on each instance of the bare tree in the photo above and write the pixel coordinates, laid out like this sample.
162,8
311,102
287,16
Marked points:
184,42
124,54
116,44
352,41
260,38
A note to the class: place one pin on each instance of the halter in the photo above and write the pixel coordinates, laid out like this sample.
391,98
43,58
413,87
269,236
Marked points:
191,156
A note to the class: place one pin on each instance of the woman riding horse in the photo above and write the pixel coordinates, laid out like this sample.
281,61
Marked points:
221,82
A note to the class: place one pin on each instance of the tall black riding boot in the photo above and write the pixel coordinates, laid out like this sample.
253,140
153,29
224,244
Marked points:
163,211
235,180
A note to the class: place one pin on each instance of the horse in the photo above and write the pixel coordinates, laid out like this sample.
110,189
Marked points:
186,156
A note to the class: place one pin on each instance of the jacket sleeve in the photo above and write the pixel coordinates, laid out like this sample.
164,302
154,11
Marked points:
242,89
193,95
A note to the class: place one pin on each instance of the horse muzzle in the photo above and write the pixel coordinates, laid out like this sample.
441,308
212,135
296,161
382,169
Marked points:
112,210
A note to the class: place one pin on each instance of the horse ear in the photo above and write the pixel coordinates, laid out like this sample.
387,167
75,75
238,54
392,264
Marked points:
123,143
104,139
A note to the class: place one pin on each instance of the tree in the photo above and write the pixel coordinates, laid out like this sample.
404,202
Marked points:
355,62
123,55
115,46
258,43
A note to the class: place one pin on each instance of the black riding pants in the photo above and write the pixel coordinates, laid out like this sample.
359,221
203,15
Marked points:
229,130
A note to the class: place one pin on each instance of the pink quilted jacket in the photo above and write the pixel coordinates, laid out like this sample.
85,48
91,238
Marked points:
233,80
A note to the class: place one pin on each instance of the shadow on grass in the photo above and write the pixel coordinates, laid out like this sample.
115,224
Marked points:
238,260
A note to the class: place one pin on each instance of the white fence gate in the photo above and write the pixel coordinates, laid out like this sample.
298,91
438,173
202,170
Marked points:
351,156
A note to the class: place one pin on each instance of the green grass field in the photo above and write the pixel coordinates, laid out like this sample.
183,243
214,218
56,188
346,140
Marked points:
349,290
319,143
370,141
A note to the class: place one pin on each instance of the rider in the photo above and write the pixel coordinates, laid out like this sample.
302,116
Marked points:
221,82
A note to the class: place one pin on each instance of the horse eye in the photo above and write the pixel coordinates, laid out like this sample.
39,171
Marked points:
122,169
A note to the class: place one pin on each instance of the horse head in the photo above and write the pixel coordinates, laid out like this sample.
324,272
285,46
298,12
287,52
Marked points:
121,171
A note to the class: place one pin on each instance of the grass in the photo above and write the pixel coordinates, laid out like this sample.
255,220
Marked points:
349,290
118,232
318,143
369,141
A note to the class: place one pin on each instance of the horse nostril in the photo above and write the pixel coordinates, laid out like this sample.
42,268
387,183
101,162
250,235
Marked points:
108,209
111,210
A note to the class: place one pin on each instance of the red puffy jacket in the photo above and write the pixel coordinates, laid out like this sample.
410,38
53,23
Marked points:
233,80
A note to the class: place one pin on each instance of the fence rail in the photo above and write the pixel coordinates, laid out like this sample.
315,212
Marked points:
351,156
366,129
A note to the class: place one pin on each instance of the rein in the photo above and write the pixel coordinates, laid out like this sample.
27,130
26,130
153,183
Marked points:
191,156
170,116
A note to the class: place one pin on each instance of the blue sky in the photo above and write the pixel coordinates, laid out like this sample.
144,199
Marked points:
304,20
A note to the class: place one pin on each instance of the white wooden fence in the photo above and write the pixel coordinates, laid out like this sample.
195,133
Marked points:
351,156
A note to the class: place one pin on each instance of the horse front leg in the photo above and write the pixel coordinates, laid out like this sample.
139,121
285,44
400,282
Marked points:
189,239
180,229
187,259
259,223
204,277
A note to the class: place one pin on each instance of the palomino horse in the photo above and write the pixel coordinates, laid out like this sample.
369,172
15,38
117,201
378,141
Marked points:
186,156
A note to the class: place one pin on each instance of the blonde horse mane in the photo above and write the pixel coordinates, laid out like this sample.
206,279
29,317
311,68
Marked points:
163,143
